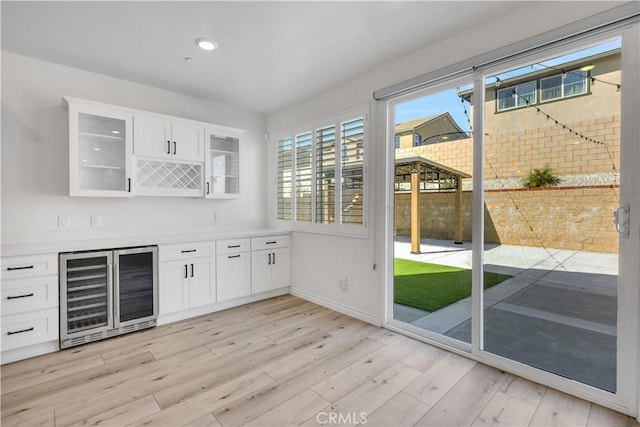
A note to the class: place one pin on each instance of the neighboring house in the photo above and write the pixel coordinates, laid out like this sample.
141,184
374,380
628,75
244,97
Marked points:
428,130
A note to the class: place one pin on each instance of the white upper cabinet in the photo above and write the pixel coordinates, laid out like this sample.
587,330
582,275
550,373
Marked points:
120,152
164,138
152,137
100,150
189,141
222,165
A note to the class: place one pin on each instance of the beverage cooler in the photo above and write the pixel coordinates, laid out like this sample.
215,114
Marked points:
107,293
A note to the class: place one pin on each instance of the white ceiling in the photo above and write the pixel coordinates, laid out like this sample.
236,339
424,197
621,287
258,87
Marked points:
271,54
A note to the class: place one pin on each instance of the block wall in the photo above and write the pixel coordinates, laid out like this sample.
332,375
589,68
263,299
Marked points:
575,218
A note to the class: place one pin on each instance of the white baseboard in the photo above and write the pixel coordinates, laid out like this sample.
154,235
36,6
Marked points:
163,319
340,308
30,351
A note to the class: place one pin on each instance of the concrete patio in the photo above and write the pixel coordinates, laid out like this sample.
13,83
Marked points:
558,311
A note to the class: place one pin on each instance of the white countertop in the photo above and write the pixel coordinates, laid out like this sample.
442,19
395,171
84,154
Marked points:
125,242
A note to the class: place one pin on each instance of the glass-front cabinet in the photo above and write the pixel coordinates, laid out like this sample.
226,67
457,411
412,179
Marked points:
222,164
100,150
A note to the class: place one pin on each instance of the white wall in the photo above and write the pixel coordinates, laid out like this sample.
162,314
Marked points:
354,257
35,159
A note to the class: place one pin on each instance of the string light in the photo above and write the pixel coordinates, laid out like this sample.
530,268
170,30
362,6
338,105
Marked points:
564,73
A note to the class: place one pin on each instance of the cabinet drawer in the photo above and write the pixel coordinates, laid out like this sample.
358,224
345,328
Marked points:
185,250
233,246
29,266
34,293
269,242
29,328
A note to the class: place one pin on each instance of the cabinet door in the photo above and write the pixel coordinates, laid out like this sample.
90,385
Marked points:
260,271
152,137
202,290
222,166
173,287
100,151
189,140
280,276
233,276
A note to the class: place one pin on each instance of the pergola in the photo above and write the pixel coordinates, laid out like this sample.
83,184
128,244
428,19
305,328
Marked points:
431,176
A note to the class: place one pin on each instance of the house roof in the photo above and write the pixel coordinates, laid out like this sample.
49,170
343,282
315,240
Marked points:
414,124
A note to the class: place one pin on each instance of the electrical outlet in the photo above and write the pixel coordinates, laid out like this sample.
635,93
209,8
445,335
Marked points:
344,282
96,221
64,222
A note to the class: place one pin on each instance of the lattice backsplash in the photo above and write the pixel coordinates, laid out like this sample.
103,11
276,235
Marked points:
168,175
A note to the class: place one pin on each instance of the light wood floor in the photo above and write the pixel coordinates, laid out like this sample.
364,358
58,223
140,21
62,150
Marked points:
277,362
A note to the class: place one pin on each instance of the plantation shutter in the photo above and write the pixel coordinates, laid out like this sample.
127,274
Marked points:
284,179
352,171
303,177
325,175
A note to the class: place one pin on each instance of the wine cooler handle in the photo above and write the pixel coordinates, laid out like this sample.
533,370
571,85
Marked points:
110,294
116,293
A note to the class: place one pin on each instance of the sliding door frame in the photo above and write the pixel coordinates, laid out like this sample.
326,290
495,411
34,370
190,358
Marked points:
626,397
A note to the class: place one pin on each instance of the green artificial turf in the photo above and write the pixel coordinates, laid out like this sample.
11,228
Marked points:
431,286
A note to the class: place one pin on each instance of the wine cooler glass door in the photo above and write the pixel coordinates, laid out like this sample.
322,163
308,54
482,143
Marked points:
86,295
136,285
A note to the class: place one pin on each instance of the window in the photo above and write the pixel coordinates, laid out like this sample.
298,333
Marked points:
396,141
563,85
352,171
326,188
303,177
325,175
516,96
283,184
417,139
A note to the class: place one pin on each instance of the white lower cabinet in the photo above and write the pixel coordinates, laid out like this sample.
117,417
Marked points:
186,284
187,277
270,263
269,269
26,329
29,306
233,269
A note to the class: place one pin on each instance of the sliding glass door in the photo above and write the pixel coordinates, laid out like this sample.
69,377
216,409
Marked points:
551,186
433,155
513,199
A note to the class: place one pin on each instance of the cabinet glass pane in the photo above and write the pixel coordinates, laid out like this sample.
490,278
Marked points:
86,293
102,153
135,278
225,165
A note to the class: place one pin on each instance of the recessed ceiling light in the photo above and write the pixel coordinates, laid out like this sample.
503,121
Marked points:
96,149
206,44
115,132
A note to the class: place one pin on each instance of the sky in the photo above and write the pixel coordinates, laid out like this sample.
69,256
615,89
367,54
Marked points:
448,100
